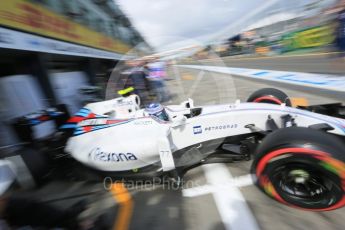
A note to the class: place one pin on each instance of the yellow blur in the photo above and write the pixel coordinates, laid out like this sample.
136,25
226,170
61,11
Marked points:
32,18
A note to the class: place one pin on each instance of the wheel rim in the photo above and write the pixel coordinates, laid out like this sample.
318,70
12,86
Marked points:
305,186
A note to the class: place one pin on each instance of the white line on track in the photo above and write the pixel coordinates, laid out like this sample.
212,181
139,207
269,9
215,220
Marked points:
238,182
196,83
316,81
179,81
231,204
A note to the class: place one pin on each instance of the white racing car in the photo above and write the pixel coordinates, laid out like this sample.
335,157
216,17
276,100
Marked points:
298,152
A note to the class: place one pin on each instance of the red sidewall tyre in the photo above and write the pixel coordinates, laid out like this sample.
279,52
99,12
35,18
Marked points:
269,95
315,155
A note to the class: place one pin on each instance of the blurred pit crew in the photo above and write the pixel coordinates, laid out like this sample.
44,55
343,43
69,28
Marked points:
137,79
156,76
340,33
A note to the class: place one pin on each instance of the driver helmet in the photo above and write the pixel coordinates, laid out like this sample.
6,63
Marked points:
157,110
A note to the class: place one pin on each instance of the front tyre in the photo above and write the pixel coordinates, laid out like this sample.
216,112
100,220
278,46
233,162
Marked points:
302,168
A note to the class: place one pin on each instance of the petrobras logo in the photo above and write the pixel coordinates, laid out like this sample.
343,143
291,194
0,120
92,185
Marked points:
221,127
98,155
197,129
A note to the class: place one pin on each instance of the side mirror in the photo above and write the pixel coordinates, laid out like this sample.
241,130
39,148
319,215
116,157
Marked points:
178,120
189,104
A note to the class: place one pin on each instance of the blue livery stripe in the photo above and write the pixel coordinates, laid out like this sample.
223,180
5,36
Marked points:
68,126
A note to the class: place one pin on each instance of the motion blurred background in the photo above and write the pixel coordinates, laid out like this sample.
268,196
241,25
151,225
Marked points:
74,52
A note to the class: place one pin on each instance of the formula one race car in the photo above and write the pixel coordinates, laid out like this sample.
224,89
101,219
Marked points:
298,152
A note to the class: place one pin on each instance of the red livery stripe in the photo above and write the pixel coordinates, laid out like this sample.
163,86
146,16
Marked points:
109,122
75,119
87,128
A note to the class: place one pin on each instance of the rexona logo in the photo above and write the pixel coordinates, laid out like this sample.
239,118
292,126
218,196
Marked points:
197,129
98,155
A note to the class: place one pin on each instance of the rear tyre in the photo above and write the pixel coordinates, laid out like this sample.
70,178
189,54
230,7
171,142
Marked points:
303,168
270,96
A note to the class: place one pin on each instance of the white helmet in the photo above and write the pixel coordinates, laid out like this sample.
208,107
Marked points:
157,110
